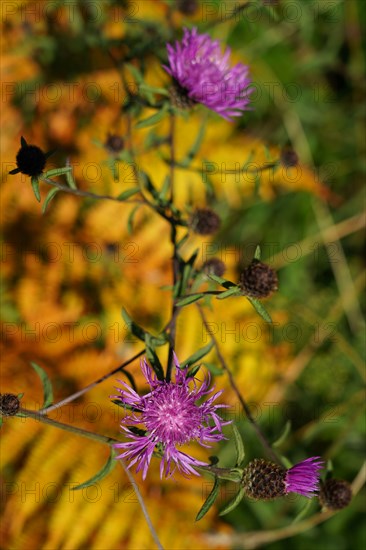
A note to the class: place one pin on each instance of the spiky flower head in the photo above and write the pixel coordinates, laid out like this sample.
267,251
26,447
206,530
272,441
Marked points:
202,74
204,221
335,494
258,280
30,159
9,404
263,480
172,414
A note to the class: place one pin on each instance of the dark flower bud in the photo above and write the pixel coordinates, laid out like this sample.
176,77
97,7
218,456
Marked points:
30,160
9,404
179,96
114,143
258,280
188,7
214,266
335,494
289,158
205,221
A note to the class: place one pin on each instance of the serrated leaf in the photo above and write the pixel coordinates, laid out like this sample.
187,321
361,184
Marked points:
199,354
257,253
153,119
189,300
210,500
283,435
130,219
103,472
134,327
260,309
47,386
48,199
128,193
35,187
232,504
230,292
239,445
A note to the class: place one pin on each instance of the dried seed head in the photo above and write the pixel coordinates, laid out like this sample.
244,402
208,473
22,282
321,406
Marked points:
263,480
9,404
335,494
258,280
205,221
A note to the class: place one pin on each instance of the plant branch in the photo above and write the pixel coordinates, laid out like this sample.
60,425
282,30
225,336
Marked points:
261,436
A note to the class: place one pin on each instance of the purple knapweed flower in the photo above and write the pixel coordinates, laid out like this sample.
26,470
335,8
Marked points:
202,74
170,415
264,480
303,478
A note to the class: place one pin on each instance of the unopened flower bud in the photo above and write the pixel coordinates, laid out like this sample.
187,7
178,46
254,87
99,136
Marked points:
205,221
214,266
258,280
335,494
114,143
9,404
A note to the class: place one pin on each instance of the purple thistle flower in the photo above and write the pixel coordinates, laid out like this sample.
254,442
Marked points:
172,417
203,74
303,478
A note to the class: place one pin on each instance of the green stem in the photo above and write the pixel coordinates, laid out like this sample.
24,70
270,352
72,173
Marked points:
36,415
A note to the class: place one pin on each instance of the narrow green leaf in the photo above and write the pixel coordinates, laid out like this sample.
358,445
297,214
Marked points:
130,219
210,500
195,147
70,180
304,511
149,185
232,504
154,89
35,186
57,171
199,354
1,421
48,199
239,445
260,309
189,300
214,369
103,472
230,292
183,240
47,386
223,282
135,72
153,358
257,253
283,435
134,327
153,119
164,190
128,193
